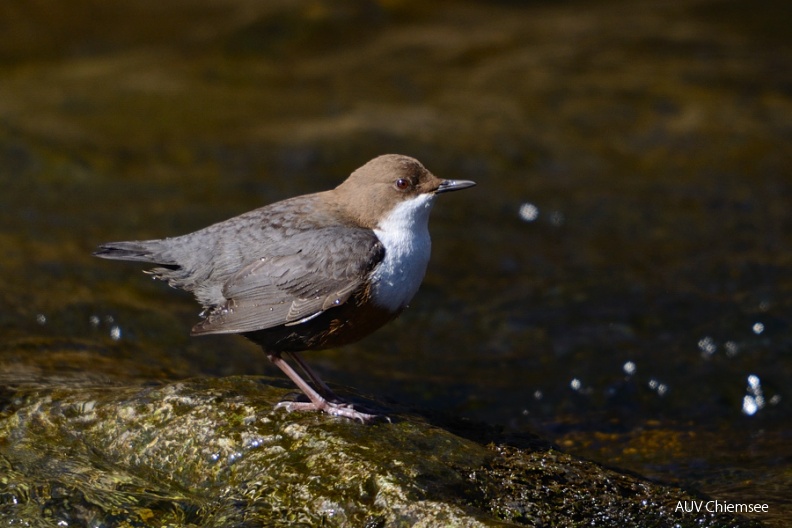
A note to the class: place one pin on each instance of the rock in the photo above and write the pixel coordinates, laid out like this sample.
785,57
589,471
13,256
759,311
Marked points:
213,452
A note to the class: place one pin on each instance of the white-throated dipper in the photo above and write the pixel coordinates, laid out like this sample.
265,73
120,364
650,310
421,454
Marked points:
311,272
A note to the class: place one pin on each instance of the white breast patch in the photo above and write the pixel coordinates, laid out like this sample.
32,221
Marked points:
405,235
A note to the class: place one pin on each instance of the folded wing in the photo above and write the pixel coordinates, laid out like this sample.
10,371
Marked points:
295,281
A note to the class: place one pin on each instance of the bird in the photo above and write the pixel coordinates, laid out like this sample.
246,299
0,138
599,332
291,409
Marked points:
310,272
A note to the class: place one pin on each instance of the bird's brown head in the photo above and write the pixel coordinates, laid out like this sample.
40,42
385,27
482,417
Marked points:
376,188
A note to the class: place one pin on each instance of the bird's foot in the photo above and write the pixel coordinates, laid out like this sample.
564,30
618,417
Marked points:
326,402
334,408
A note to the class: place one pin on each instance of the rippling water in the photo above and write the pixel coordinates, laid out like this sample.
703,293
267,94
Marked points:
619,280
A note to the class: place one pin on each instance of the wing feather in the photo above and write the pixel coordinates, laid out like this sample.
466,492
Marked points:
297,280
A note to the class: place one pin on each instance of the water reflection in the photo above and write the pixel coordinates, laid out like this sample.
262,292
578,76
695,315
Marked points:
658,387
528,212
754,400
629,368
633,206
707,346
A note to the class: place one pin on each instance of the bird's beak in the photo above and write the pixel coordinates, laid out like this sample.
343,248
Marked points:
453,185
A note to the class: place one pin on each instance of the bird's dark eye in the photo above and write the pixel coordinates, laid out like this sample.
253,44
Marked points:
402,184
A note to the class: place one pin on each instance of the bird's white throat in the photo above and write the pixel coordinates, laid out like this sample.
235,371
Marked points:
405,234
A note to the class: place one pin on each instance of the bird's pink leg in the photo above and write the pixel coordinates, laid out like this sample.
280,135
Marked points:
317,403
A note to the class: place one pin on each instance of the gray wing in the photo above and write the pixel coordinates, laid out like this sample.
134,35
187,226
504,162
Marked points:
295,281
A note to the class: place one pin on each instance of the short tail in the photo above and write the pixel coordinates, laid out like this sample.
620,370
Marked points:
145,251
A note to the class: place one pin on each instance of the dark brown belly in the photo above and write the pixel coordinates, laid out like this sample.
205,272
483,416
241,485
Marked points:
335,327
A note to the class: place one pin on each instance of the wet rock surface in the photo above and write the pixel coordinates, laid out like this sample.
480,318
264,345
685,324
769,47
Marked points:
214,452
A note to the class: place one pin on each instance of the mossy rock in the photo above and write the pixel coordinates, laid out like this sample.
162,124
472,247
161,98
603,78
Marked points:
214,452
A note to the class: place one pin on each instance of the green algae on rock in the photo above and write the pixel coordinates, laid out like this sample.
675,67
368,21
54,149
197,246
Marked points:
214,452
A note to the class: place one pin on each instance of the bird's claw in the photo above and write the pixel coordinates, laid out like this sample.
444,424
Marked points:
343,409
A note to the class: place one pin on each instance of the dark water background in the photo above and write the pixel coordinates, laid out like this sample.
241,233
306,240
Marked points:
620,281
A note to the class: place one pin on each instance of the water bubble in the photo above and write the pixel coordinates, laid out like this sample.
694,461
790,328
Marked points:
754,401
657,386
575,384
557,218
707,346
94,321
758,328
115,332
629,368
41,319
538,395
528,212
749,406
732,348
